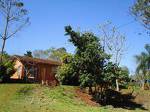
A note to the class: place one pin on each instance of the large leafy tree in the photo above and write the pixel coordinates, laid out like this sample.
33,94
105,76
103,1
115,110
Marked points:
89,58
141,10
90,65
143,63
13,19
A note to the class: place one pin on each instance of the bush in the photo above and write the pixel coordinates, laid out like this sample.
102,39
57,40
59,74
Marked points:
6,69
66,73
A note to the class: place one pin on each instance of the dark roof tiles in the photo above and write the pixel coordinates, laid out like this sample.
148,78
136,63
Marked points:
36,60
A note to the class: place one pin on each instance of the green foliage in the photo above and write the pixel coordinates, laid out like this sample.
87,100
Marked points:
51,53
28,54
141,9
66,73
113,72
17,10
124,74
42,54
143,61
6,68
57,54
90,65
89,59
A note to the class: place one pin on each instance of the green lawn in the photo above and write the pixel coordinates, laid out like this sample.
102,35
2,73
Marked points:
36,98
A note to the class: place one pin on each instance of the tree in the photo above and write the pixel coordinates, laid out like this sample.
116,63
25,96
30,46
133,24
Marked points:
6,68
28,54
114,43
113,72
66,72
89,59
143,64
141,10
51,53
14,18
57,54
42,54
125,73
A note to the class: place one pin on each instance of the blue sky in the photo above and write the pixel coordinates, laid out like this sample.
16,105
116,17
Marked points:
48,18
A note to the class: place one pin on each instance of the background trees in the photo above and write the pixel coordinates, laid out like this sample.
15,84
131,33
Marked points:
42,54
143,64
114,43
14,19
51,53
141,10
57,54
28,54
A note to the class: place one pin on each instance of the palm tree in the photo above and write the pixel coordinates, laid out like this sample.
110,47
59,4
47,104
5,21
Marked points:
143,64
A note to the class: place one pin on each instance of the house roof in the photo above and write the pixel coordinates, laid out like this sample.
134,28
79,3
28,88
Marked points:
35,60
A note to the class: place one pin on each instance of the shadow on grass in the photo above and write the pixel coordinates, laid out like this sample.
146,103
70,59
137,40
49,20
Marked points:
118,100
19,81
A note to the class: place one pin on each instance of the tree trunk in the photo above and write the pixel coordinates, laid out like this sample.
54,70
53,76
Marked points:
117,85
95,89
143,84
90,90
2,51
4,38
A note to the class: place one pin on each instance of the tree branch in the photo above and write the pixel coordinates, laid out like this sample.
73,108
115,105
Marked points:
1,37
19,28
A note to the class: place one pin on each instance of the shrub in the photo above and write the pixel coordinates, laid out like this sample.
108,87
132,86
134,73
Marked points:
6,68
66,73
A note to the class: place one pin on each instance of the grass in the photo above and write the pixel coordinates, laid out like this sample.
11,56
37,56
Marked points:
36,98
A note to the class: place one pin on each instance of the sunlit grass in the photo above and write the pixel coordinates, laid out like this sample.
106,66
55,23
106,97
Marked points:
37,98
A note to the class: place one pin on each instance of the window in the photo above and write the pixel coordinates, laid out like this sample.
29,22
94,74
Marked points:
33,72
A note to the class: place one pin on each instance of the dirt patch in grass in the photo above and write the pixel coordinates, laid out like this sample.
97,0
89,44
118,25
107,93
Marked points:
143,97
123,99
85,98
